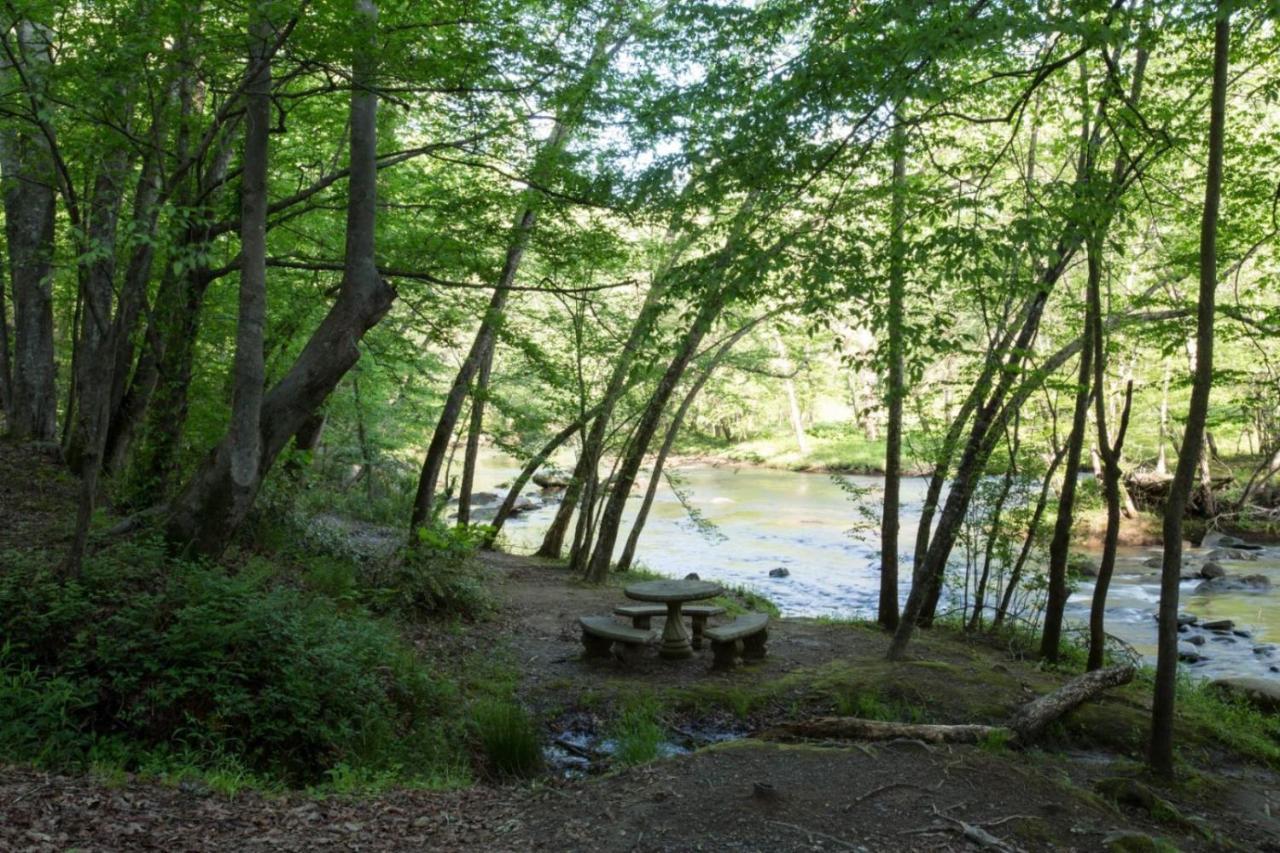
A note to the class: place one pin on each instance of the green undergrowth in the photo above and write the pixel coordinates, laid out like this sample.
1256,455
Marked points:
277,671
636,731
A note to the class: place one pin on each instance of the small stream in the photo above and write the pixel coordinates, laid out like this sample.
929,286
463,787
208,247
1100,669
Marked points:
827,542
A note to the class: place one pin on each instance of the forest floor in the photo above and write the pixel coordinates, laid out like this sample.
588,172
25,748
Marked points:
1083,788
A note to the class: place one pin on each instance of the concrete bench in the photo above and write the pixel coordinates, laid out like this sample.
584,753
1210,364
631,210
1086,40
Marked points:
642,614
744,637
600,633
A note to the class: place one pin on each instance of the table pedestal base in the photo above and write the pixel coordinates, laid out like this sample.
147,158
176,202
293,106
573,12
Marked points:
675,638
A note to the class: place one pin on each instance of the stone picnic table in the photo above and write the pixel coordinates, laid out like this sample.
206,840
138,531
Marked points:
673,593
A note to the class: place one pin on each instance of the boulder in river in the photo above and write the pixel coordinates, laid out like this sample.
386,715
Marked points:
1196,639
1186,619
1244,583
1082,565
1211,570
483,498
1231,554
779,573
1218,625
692,576
1262,693
551,479
1187,653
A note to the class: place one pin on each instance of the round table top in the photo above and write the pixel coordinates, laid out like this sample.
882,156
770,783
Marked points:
672,590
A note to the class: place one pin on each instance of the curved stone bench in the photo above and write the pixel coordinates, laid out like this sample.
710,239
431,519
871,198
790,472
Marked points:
600,633
641,616
744,637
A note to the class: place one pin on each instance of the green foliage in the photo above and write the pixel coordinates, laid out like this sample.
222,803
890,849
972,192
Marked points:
508,737
637,733
438,575
150,661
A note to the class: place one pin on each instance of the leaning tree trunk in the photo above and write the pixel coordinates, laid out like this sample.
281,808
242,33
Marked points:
30,187
593,444
673,430
1033,527
597,568
1161,751
604,49
472,451
205,516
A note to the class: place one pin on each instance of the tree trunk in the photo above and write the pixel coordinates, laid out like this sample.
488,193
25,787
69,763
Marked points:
1015,576
1006,484
1162,466
887,612
1161,750
611,517
204,517
244,433
1060,544
553,539
96,346
29,189
793,402
470,457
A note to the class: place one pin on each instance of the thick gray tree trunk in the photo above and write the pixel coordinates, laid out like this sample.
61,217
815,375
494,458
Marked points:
205,516
29,187
249,370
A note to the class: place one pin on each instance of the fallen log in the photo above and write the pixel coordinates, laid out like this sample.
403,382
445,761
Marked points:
1026,726
857,728
1036,716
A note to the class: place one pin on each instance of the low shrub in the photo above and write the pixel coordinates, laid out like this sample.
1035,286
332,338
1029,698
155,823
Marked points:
144,657
438,575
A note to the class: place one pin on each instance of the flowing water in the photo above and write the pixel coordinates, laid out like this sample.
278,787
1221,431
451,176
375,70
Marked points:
824,535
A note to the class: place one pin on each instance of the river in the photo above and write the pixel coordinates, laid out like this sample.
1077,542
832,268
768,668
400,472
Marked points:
761,519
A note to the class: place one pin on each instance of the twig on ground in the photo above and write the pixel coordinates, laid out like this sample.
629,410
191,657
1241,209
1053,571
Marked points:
813,832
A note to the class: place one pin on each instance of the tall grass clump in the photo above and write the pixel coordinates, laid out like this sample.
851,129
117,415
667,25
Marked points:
508,738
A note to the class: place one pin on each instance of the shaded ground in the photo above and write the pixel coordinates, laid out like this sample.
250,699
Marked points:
742,795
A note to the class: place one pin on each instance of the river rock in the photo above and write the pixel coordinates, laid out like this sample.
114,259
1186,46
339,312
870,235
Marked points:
1218,625
1082,565
1223,638
525,504
1265,650
692,576
779,573
1242,634
1186,619
1231,554
1262,693
1245,583
482,498
1196,639
1211,570
551,479
1188,653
